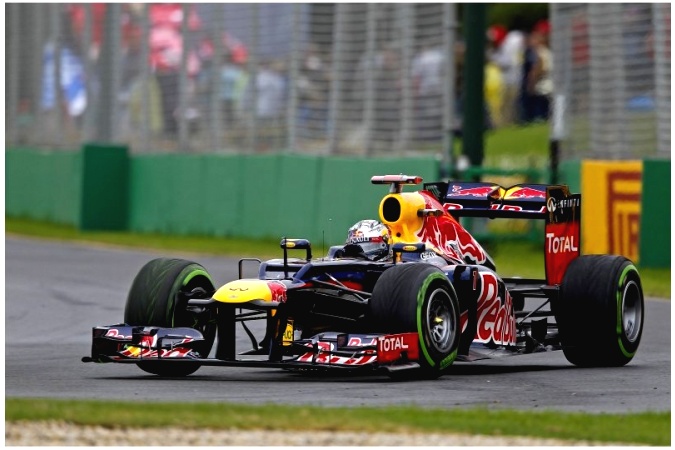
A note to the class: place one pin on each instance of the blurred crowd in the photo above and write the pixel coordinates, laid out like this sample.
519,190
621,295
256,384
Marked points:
518,83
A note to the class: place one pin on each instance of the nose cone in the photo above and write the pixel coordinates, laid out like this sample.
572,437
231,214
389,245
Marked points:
242,291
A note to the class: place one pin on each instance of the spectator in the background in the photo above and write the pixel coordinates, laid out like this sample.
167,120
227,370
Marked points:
269,107
222,79
427,77
460,62
494,80
387,114
508,56
132,67
537,85
636,49
312,88
271,87
233,81
166,61
166,48
73,92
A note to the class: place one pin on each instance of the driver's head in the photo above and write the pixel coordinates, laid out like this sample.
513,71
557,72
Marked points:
372,236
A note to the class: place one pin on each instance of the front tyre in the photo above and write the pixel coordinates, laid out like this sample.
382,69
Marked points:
417,297
600,312
158,297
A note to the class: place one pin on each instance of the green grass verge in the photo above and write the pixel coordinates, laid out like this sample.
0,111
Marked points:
643,428
512,258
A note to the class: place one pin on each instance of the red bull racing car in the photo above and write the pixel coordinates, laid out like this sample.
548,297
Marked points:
436,298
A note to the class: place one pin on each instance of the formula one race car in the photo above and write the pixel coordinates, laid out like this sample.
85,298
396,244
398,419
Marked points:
435,299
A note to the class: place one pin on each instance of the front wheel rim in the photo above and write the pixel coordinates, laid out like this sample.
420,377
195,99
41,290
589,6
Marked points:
631,310
441,322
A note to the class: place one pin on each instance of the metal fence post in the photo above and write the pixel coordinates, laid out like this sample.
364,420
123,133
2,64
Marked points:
406,25
473,101
607,80
662,73
369,74
146,78
336,83
252,88
108,72
36,64
618,100
87,33
183,141
56,41
215,109
293,73
11,109
449,94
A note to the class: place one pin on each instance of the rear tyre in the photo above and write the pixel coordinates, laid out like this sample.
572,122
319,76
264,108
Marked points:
600,312
417,297
155,300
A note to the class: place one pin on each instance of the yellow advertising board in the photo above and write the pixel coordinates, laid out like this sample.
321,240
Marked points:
610,208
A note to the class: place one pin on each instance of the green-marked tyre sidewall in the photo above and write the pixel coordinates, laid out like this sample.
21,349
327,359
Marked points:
152,301
433,358
590,311
153,294
399,305
184,278
628,348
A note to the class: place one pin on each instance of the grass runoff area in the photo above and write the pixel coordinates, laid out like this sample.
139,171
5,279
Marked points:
643,428
512,258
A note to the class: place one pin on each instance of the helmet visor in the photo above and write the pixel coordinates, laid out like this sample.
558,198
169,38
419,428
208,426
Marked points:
374,250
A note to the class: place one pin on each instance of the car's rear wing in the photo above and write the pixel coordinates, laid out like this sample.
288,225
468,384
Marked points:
553,203
476,199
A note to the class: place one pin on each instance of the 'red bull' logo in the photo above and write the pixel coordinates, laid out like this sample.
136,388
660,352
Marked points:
115,333
481,191
278,290
324,356
525,192
147,348
449,237
356,341
496,318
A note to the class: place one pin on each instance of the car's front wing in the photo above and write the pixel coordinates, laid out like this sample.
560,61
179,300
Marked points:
326,351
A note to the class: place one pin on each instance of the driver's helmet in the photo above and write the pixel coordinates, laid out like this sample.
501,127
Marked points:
372,236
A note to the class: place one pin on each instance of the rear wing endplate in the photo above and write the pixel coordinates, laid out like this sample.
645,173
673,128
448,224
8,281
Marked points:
553,203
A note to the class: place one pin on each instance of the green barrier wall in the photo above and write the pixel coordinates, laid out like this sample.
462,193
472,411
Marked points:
259,196
655,218
43,185
104,187
254,196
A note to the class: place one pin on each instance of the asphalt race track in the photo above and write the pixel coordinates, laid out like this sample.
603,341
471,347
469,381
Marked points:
56,292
